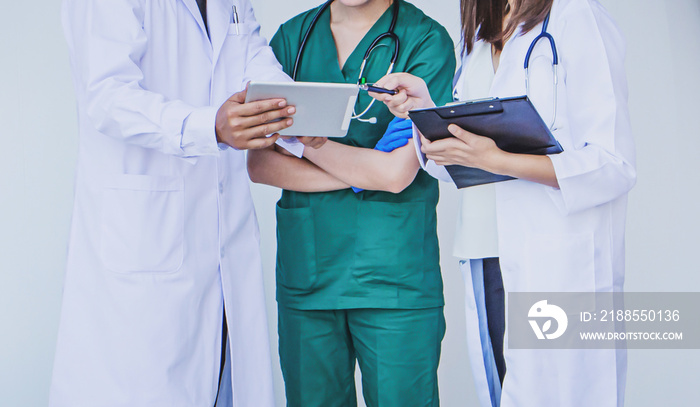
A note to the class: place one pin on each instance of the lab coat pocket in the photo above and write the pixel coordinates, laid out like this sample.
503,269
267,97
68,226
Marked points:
235,55
390,243
142,224
296,248
241,29
560,262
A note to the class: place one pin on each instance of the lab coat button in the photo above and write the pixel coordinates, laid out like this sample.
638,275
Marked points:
221,188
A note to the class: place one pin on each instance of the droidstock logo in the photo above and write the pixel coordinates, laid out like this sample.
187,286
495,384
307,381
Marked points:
547,312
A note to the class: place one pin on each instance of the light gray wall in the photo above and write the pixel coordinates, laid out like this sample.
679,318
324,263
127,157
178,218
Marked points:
39,142
38,129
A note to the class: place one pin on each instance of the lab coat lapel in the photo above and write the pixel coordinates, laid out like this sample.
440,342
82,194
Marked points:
218,17
194,10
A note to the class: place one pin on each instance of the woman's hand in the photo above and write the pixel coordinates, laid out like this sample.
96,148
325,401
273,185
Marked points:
470,150
466,149
413,93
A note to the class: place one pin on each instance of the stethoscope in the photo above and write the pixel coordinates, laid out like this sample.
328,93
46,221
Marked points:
375,44
555,62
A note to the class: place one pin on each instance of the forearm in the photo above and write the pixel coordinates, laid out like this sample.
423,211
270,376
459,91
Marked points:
270,167
146,119
535,168
471,150
366,168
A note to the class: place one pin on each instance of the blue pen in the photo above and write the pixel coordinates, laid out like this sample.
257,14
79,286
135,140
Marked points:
377,89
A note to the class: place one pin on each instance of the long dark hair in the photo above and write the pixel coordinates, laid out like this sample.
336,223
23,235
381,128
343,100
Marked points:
486,16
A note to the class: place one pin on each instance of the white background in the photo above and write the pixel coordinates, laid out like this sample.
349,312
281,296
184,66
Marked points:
38,137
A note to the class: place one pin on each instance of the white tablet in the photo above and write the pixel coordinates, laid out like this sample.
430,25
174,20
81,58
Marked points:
323,109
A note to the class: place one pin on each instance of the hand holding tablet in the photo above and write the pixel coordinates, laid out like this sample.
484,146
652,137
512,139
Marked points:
322,109
245,126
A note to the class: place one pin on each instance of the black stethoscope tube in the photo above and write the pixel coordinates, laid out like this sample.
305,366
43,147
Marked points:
388,34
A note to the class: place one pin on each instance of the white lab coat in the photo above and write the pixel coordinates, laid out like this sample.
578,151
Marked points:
571,238
164,231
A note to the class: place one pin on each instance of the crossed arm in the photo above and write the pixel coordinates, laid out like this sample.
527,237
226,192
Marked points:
335,166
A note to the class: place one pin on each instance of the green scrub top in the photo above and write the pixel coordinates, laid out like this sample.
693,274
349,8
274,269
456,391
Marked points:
341,250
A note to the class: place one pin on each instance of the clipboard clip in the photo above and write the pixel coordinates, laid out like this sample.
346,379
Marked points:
472,108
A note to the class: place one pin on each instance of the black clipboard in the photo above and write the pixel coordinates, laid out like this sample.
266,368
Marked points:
513,123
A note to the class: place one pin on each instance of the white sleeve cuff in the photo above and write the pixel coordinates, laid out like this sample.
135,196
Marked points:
199,133
436,171
292,145
417,144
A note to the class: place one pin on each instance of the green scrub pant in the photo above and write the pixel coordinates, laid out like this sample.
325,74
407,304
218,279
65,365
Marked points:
398,351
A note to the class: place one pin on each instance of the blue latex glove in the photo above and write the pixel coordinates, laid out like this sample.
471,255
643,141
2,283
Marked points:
397,135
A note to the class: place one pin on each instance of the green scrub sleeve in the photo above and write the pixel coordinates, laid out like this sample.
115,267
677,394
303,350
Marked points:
281,49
